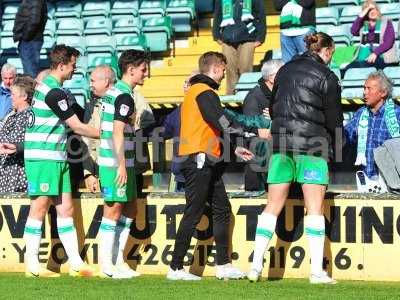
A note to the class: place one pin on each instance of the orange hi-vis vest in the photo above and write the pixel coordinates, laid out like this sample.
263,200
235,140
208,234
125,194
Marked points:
197,135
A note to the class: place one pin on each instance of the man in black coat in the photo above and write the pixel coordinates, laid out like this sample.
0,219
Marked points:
239,27
255,102
29,25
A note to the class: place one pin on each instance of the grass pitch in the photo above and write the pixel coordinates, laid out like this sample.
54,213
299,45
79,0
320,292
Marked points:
16,286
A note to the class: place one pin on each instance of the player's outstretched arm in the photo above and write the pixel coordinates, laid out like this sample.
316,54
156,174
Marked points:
82,129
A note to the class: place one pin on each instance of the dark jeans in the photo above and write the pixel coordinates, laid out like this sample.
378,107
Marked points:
202,186
29,52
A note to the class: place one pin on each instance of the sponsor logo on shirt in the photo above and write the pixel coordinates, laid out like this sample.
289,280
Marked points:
62,104
124,109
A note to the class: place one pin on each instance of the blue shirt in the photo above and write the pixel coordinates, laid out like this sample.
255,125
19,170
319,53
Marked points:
5,101
378,133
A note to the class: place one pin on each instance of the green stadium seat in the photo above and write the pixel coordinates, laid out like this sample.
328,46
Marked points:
8,46
394,74
81,65
342,3
51,9
77,85
349,14
70,26
152,9
340,34
127,41
379,1
96,8
48,44
352,93
337,73
50,28
127,24
205,6
396,92
182,12
391,10
100,44
77,42
7,28
98,25
68,9
158,33
96,59
10,10
250,77
125,7
327,15
355,77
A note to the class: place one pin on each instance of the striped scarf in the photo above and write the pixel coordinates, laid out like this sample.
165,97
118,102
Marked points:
227,12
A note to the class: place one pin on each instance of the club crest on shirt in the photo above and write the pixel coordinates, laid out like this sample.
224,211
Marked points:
120,192
31,119
62,104
44,187
123,110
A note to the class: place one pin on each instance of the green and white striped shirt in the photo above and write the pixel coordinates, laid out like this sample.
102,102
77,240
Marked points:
45,136
112,109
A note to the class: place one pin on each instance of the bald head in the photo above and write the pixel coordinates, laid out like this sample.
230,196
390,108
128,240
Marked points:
101,79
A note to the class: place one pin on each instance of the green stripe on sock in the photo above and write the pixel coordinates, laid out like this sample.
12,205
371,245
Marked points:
33,230
315,232
65,229
124,225
264,232
107,227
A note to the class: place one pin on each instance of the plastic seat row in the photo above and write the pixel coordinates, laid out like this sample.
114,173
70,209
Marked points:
330,15
182,12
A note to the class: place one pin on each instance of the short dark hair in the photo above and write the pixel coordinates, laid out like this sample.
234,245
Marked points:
132,58
210,58
62,54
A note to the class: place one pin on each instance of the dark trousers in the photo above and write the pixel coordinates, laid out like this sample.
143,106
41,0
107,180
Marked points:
203,185
254,179
29,52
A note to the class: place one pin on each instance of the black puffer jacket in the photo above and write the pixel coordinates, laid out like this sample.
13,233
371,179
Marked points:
305,107
30,21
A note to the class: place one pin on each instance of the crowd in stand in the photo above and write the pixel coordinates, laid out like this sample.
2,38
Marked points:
293,115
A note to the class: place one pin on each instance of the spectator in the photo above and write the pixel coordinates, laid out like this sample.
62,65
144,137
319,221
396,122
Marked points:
255,102
101,80
374,123
12,133
29,25
143,124
306,113
377,36
297,20
8,73
239,27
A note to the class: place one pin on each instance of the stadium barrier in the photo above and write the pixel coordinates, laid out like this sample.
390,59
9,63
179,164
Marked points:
363,236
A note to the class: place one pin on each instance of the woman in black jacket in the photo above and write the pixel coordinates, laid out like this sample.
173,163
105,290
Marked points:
306,113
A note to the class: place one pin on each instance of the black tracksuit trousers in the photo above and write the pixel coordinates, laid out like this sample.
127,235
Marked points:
203,185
